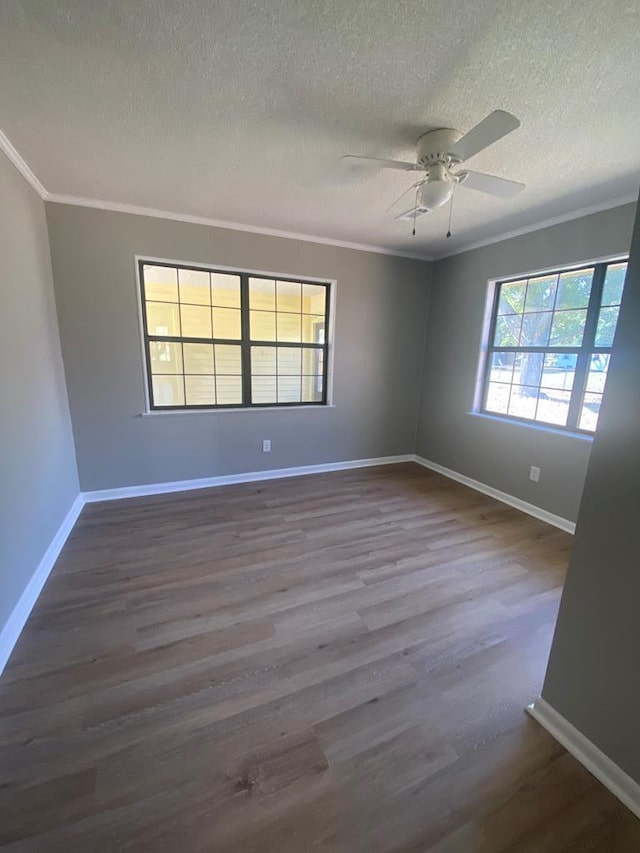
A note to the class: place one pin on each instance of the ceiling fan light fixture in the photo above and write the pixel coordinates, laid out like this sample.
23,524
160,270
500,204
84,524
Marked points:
435,193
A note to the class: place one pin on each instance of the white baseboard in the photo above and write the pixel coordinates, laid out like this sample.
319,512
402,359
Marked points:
587,753
231,479
12,629
523,506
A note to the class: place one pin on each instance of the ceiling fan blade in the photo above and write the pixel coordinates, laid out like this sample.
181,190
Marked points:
492,128
383,164
490,184
402,195
411,214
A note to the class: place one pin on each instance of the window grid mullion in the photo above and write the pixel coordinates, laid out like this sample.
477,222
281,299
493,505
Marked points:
145,332
551,350
490,350
245,346
184,375
325,346
588,340
277,384
213,346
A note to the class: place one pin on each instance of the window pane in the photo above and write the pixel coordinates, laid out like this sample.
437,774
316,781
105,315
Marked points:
263,361
289,389
227,323
590,411
535,329
262,294
165,357
289,361
289,327
196,321
511,299
597,375
528,368
163,319
312,329
168,390
289,296
607,322
558,371
567,328
312,361
312,387
263,389
194,287
160,283
553,406
228,359
200,390
229,390
501,367
574,289
507,331
314,298
263,325
198,358
613,284
498,398
225,290
523,401
541,293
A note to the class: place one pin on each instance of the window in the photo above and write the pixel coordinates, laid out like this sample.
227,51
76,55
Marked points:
216,339
549,345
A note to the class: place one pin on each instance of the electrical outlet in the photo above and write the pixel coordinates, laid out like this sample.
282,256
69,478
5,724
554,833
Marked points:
266,445
534,474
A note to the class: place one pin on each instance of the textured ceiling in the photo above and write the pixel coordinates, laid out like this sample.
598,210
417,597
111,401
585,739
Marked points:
240,110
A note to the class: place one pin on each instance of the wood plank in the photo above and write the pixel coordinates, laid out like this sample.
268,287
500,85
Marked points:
337,662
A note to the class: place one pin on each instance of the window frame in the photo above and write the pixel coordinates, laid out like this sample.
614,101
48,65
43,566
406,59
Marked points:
583,352
244,342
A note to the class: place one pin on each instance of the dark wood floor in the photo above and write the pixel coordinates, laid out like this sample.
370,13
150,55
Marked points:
337,662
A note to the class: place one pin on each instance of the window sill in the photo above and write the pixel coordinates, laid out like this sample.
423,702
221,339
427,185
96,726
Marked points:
564,433
183,412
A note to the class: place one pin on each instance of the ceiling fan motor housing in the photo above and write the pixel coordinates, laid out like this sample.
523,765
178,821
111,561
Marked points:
434,146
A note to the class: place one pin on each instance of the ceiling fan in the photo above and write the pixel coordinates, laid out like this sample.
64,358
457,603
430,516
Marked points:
438,152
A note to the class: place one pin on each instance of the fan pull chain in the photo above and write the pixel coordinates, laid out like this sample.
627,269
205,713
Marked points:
415,213
450,213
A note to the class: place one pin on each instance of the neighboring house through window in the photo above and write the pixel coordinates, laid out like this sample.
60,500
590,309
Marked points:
227,339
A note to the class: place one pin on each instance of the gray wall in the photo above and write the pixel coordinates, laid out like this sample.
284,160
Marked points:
593,677
379,343
495,451
38,478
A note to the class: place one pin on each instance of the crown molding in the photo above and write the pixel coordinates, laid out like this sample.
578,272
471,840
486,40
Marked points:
25,170
21,165
541,224
116,207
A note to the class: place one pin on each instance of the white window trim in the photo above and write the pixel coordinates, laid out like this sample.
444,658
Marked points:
492,283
